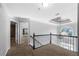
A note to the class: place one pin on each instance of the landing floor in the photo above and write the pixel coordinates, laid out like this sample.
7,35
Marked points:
47,50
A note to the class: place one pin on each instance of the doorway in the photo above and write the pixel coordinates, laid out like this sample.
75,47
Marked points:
13,34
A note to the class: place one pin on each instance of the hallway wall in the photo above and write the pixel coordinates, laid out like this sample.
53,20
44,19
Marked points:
4,31
41,28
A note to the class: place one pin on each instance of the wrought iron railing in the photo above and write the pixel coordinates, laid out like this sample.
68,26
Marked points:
70,40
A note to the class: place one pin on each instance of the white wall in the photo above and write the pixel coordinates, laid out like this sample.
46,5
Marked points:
4,31
41,28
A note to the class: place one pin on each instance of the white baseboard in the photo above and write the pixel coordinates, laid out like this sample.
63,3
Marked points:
6,51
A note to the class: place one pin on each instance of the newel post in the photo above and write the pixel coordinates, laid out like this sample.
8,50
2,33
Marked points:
50,37
33,40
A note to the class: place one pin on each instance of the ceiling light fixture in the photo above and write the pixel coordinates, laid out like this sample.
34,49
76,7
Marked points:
59,20
45,4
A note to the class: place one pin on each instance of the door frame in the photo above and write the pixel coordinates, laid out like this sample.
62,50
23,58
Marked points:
15,32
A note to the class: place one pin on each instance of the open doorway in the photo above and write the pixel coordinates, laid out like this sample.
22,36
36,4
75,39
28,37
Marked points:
13,34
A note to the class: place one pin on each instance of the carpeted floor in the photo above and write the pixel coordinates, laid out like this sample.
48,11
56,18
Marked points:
47,50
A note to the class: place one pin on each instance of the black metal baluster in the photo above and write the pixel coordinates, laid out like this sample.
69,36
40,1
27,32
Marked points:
62,39
73,44
70,43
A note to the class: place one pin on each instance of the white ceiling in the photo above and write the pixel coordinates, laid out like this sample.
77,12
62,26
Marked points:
31,10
